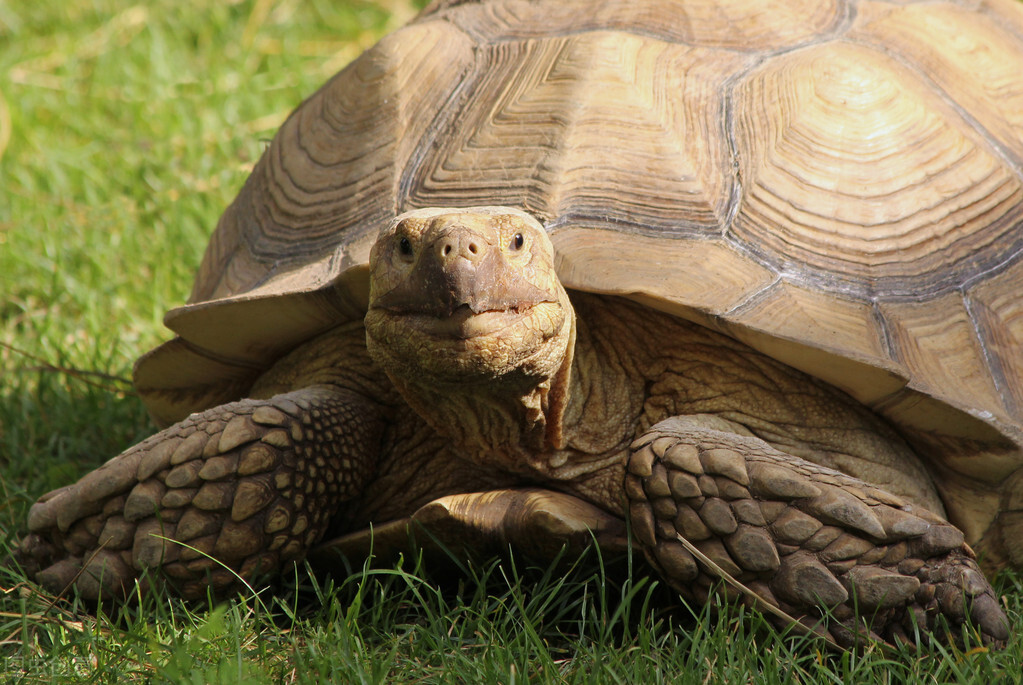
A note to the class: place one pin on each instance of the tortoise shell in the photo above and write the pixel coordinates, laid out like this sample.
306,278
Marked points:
837,183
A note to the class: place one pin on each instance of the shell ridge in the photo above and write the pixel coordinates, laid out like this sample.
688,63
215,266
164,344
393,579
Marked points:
221,358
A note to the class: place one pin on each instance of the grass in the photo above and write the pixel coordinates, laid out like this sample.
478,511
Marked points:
124,131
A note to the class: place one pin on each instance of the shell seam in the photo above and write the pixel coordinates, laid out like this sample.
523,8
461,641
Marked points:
994,365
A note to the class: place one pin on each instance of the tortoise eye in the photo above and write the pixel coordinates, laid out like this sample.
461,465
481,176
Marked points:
405,247
517,241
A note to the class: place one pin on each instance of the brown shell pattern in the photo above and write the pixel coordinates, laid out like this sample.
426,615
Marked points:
837,183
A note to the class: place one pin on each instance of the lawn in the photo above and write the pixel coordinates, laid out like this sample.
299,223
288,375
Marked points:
124,131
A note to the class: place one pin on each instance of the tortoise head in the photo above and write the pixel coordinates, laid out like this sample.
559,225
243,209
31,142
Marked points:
466,296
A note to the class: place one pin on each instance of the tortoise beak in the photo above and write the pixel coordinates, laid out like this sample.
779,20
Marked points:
462,268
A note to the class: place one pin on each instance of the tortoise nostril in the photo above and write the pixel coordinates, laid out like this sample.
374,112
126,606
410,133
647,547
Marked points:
472,248
447,249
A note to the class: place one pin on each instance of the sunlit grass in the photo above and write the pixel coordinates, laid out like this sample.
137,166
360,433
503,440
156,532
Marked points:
125,129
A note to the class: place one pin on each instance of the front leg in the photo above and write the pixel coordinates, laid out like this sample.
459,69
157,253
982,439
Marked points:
243,488
802,537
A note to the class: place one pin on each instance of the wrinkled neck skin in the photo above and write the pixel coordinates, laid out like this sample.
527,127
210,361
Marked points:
484,410
519,422
517,412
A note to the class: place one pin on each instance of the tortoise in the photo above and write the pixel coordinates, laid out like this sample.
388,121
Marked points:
741,277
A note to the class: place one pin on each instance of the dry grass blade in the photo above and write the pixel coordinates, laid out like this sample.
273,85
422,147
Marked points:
759,602
81,374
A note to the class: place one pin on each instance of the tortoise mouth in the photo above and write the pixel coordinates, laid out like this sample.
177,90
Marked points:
466,346
464,324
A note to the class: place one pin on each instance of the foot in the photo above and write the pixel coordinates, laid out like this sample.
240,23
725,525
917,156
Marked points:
227,494
842,557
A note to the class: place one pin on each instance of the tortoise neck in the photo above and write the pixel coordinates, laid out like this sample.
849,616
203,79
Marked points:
509,421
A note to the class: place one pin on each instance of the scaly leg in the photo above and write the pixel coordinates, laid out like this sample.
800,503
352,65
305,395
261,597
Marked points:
242,488
801,536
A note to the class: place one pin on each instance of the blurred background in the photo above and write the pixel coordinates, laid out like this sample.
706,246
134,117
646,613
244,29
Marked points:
125,129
